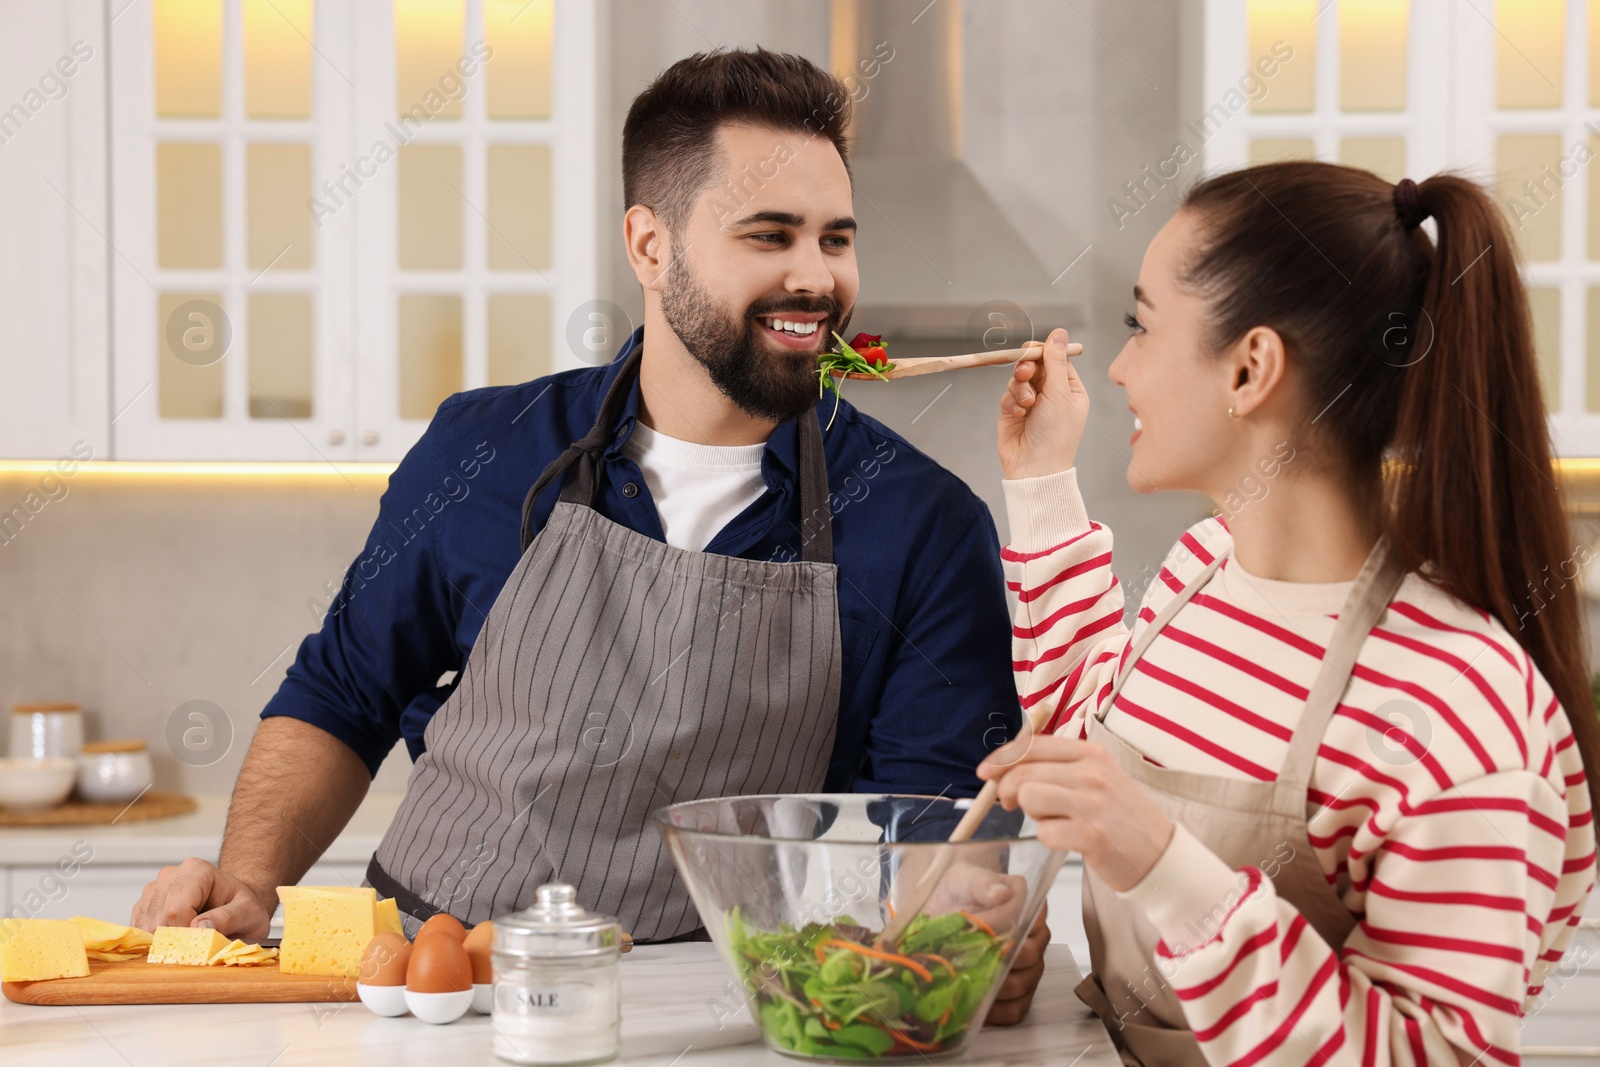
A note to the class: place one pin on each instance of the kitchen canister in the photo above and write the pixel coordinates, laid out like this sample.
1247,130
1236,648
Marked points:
113,772
46,731
557,994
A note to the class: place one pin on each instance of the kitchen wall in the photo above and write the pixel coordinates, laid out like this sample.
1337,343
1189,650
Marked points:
136,597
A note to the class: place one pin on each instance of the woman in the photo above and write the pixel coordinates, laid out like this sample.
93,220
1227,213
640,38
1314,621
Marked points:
1334,789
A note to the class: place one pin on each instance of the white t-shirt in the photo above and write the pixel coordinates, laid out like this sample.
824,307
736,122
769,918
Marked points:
698,489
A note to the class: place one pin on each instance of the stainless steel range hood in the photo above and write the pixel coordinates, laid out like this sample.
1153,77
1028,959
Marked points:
934,245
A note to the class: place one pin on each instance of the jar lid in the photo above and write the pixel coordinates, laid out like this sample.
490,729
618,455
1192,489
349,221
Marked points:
97,748
556,925
34,709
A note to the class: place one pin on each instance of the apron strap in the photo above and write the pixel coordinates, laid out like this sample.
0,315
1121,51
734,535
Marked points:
1157,624
1365,604
816,512
816,509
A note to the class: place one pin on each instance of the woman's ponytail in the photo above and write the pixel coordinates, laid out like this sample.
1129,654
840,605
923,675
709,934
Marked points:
1419,358
1475,496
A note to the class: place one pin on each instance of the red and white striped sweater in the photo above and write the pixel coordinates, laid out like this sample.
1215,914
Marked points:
1457,831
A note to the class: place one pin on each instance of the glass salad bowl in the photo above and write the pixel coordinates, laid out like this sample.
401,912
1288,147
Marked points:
796,892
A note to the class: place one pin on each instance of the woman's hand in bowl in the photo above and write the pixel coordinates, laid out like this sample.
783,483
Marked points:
1042,413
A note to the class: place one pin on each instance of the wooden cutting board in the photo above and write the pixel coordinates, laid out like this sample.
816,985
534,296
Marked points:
138,982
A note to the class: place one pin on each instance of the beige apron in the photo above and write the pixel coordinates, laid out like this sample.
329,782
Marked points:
1247,823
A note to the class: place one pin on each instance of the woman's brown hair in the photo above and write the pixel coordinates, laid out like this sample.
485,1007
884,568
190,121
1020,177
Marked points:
1417,364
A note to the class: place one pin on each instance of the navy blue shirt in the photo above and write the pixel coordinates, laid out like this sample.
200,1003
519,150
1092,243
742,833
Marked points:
926,687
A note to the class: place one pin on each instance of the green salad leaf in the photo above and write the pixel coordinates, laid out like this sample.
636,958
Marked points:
845,361
824,989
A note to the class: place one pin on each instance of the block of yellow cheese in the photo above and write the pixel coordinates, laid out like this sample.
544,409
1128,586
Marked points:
189,945
326,928
35,949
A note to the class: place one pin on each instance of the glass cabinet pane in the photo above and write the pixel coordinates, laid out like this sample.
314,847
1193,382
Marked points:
1294,23
1530,37
192,336
1383,156
428,42
1531,191
519,207
1372,54
1546,306
519,31
430,207
1592,356
519,337
1594,53
430,352
189,205
277,58
1277,149
277,188
281,356
188,58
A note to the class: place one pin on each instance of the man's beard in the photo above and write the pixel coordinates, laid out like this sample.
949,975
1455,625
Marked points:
765,385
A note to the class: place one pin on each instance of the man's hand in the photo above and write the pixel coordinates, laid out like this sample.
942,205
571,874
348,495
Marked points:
1011,1004
195,893
997,900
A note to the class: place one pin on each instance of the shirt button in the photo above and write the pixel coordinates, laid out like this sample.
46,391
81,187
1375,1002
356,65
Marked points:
630,490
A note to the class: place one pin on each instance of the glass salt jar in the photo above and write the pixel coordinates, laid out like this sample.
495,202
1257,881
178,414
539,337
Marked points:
557,995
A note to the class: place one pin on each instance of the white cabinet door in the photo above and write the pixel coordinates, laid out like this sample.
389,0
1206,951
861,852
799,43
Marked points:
100,891
232,297
54,257
331,215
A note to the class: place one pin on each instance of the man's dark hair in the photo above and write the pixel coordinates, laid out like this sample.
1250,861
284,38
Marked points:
669,140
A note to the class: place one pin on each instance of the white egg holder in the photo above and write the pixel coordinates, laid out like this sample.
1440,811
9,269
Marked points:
437,1008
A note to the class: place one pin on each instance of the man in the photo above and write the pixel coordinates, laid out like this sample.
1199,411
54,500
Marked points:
688,610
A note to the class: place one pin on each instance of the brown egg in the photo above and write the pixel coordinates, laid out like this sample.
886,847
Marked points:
385,959
479,943
443,923
438,965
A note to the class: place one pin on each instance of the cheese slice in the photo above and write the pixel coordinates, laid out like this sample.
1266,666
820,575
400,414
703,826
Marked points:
238,953
35,949
189,945
388,920
326,928
111,941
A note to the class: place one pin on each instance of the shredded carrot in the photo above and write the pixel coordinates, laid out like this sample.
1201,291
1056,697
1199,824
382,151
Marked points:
830,1024
822,957
909,1041
815,1002
979,923
941,961
890,907
888,957
945,1017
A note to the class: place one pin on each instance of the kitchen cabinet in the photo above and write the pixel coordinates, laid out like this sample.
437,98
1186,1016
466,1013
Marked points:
1507,93
54,259
287,229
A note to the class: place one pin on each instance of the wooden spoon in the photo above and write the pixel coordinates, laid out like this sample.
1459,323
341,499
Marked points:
906,368
1032,722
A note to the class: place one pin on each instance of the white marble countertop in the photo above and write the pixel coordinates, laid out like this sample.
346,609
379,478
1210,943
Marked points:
673,997
165,841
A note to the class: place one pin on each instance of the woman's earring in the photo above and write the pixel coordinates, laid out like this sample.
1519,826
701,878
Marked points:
1231,413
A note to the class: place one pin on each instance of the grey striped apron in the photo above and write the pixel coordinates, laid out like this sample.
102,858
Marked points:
616,674
1247,823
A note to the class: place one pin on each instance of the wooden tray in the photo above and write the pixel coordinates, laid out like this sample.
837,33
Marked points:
152,805
138,982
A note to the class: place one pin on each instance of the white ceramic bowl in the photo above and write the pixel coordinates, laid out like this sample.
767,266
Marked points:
35,784
113,777
384,999
438,1007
